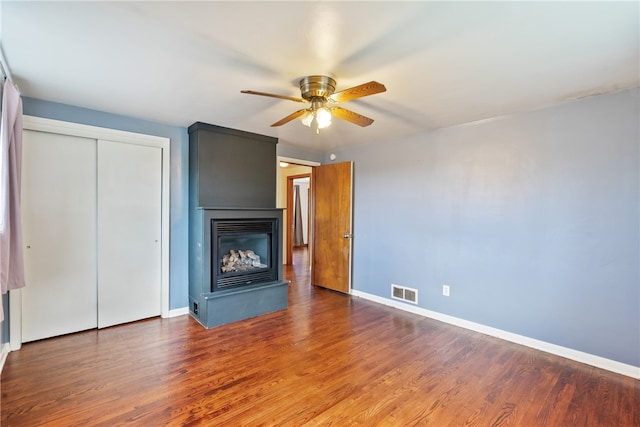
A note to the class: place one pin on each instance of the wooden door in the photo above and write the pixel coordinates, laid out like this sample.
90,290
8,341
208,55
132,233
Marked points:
332,226
129,232
59,226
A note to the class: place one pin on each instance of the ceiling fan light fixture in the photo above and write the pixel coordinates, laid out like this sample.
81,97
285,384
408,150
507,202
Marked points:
319,112
307,118
323,117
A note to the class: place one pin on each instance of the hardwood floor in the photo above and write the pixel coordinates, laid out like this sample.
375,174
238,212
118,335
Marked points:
330,359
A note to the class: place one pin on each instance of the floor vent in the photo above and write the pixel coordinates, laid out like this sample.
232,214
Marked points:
404,294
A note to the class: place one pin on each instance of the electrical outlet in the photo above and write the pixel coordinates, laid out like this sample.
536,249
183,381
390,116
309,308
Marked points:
445,290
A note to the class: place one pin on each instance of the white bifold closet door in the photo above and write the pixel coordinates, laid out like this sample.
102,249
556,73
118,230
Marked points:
129,232
59,232
91,213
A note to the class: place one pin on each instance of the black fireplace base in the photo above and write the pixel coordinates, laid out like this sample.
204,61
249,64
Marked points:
222,307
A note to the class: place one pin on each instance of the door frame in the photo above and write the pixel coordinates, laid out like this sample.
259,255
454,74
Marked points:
94,132
289,242
281,197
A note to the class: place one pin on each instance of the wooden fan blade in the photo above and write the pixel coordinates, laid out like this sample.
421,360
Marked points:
272,95
350,116
359,91
289,118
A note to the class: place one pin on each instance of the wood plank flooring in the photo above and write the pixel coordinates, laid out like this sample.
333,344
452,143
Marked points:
330,359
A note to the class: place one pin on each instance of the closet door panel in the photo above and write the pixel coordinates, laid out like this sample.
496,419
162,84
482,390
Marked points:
59,226
129,232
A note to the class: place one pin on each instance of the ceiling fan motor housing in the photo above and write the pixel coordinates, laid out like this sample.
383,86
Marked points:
317,87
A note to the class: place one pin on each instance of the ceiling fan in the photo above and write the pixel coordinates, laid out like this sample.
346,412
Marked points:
319,91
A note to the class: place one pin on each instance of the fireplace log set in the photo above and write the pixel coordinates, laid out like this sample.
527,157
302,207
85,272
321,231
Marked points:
241,260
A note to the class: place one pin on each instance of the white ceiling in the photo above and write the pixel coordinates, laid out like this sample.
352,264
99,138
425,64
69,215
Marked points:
443,63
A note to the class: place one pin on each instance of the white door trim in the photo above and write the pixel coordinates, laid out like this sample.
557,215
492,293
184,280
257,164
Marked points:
298,161
94,132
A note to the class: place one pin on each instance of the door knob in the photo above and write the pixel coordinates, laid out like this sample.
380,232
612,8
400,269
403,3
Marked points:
348,236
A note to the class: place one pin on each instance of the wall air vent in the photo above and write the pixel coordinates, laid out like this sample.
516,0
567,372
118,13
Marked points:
405,294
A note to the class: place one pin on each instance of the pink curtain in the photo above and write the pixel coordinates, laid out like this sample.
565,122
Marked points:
11,256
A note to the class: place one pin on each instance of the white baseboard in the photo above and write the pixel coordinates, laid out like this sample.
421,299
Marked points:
178,312
578,356
4,352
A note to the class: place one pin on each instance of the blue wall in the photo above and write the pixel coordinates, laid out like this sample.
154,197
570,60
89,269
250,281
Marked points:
532,220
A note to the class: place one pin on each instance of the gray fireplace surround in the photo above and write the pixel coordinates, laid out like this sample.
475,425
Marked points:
232,181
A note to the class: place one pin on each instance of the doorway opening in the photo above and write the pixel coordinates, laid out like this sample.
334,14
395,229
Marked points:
330,225
292,173
299,213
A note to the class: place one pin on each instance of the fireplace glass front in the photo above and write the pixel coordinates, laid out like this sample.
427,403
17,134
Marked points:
243,252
